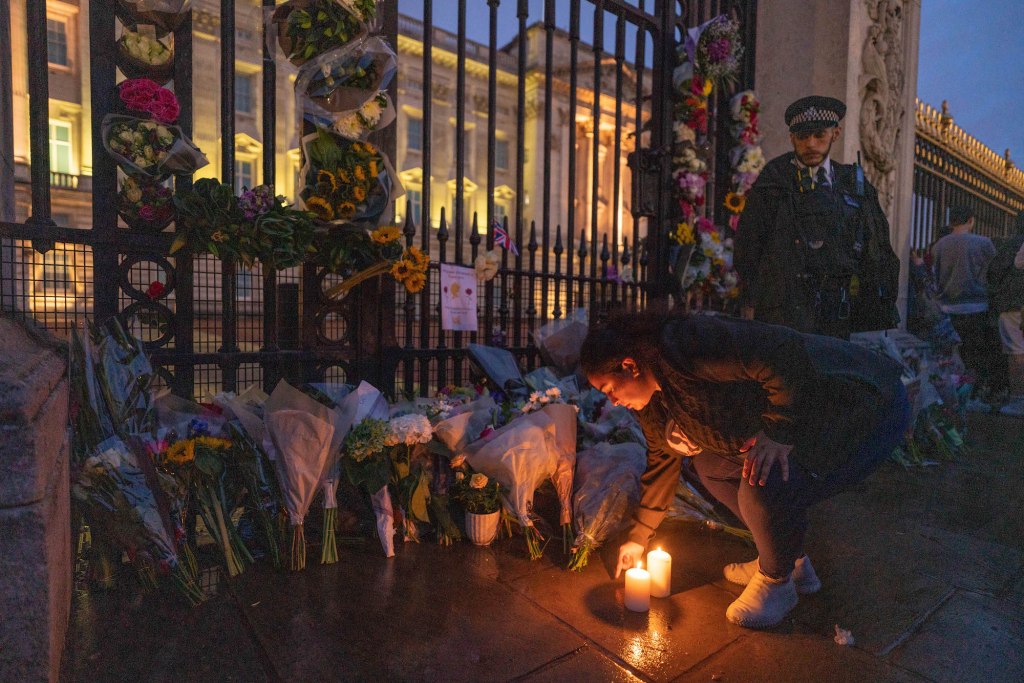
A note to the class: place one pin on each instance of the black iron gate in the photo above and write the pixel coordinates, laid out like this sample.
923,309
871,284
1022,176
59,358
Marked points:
577,179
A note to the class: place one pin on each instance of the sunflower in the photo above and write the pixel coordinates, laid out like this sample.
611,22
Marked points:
419,260
401,270
360,173
346,210
372,163
182,452
343,176
385,234
219,236
735,202
415,282
359,192
321,207
213,442
327,178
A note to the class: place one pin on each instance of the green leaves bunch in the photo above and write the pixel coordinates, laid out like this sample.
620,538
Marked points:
324,25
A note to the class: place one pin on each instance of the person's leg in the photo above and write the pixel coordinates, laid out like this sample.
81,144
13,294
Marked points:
720,475
888,431
970,328
777,518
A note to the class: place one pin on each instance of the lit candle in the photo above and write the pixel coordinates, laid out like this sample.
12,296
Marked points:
638,589
659,564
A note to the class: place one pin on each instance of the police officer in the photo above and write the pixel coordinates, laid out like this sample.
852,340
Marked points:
812,247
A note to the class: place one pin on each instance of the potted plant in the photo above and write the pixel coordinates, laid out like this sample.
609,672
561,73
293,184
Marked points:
480,495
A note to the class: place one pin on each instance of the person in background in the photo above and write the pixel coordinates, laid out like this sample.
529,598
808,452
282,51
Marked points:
740,397
960,261
812,246
1006,297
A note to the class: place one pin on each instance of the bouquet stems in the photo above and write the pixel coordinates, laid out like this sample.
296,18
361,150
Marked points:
298,557
329,549
566,535
534,542
348,283
581,554
447,531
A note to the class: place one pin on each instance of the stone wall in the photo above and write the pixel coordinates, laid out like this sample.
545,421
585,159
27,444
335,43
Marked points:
35,527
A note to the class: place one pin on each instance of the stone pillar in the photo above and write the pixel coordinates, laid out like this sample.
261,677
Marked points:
35,526
863,52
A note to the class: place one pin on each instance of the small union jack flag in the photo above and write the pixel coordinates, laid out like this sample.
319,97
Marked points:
502,239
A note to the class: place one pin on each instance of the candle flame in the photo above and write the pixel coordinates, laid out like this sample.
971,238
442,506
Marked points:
659,548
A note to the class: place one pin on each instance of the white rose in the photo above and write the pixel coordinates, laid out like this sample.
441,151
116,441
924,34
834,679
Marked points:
458,461
478,480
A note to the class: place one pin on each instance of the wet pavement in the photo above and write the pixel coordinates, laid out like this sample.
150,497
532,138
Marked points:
924,566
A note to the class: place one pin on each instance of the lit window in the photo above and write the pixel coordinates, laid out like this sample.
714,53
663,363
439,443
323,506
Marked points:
244,175
414,199
60,147
501,154
57,42
245,284
414,135
58,276
500,213
243,94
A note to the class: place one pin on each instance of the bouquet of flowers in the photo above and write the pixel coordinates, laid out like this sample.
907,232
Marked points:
302,431
344,180
146,55
369,468
150,148
253,226
688,505
746,157
409,479
145,203
606,488
149,97
376,113
307,28
166,14
717,49
342,84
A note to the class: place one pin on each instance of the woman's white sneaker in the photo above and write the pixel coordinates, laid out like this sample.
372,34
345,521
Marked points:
763,603
804,577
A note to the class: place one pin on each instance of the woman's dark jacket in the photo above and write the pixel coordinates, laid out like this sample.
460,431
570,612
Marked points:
723,380
1005,281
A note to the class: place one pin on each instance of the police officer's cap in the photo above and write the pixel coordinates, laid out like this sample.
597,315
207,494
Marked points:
814,113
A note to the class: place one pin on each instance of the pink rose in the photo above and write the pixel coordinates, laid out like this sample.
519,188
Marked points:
147,213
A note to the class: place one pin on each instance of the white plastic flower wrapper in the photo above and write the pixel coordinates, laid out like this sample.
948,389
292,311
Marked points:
365,401
559,341
182,158
167,14
525,452
606,490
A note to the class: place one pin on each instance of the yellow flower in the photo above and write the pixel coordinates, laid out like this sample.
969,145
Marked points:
346,210
359,193
326,177
683,234
182,452
401,270
213,442
708,85
373,168
321,207
415,282
735,202
219,236
360,173
385,234
419,260
343,176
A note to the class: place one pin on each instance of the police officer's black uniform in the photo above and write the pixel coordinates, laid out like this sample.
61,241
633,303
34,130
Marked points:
813,252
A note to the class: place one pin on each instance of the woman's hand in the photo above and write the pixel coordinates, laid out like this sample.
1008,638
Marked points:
630,553
761,454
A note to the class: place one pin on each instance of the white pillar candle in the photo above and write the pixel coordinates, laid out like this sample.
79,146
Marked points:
659,565
638,589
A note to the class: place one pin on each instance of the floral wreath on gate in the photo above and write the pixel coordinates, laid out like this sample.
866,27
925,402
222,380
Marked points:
700,252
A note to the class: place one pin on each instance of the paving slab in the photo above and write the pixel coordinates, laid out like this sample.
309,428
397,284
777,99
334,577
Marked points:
585,666
427,614
155,638
970,638
794,658
674,635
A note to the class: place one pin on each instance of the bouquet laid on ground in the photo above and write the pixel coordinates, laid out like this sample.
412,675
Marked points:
144,55
308,28
150,148
690,506
605,491
369,468
146,96
112,479
344,180
302,431
145,203
253,226
410,482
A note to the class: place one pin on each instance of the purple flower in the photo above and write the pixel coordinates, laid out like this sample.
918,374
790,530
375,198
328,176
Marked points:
257,201
719,49
147,212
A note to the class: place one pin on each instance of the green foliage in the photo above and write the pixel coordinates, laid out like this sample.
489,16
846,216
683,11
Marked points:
325,25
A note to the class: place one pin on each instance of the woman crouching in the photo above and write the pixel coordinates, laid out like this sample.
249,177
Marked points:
740,397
